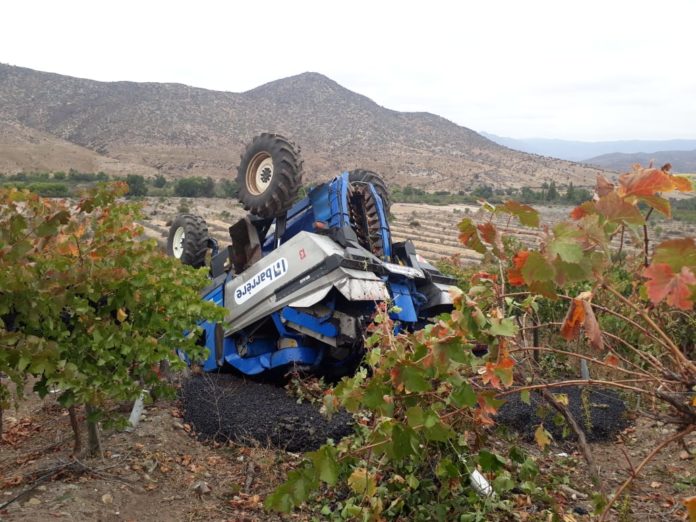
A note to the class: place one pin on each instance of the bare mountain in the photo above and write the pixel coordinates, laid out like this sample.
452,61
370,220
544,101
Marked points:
681,160
49,120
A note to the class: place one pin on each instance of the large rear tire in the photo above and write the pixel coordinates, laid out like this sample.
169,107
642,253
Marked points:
269,175
188,240
367,176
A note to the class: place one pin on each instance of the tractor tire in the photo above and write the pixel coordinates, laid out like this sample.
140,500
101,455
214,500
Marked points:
188,240
269,175
367,176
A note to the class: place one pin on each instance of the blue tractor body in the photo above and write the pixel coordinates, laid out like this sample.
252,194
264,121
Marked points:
301,288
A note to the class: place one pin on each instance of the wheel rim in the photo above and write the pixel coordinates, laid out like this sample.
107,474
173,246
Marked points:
178,242
259,173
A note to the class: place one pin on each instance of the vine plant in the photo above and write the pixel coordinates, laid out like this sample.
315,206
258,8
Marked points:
424,400
87,307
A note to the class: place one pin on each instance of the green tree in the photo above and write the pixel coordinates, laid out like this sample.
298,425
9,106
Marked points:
159,181
570,193
229,188
187,188
207,187
136,185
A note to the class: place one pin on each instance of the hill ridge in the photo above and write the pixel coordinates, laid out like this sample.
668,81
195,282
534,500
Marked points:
180,130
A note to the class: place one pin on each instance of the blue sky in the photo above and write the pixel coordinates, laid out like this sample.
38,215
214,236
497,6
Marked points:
585,70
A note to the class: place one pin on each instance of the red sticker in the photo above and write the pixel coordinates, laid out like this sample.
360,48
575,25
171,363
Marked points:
302,253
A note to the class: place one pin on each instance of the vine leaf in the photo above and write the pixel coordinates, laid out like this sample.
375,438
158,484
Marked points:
611,360
469,236
587,208
526,214
491,235
542,437
362,482
604,186
580,314
295,490
664,283
616,208
658,203
490,461
592,330
682,184
324,460
573,321
645,182
515,273
677,253
537,268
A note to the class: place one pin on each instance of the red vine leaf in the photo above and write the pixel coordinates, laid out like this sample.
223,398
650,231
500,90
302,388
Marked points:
682,184
515,274
487,408
616,208
664,283
587,208
489,376
490,234
469,236
574,319
645,182
658,203
611,360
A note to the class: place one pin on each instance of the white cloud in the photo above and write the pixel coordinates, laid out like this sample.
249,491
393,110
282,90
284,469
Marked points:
580,70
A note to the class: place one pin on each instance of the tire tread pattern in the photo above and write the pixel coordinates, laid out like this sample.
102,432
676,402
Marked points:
195,241
286,181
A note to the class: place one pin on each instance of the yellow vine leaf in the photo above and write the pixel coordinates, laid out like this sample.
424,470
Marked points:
561,398
362,482
542,437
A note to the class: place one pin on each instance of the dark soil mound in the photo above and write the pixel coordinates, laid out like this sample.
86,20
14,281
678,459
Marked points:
606,409
229,407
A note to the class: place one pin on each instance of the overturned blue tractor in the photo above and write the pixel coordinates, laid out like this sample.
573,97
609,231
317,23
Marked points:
301,279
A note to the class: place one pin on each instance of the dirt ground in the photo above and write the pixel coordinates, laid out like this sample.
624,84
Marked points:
150,474
153,473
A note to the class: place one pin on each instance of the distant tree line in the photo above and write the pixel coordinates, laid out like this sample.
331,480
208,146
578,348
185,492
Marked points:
66,184
548,193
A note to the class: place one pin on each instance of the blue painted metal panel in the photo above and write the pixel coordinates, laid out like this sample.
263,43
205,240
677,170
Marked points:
210,364
260,346
401,294
321,206
255,365
321,325
216,295
338,201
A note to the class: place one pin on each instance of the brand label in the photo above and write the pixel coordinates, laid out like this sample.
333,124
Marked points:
261,280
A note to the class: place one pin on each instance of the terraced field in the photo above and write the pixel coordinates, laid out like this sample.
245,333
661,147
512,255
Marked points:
433,229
